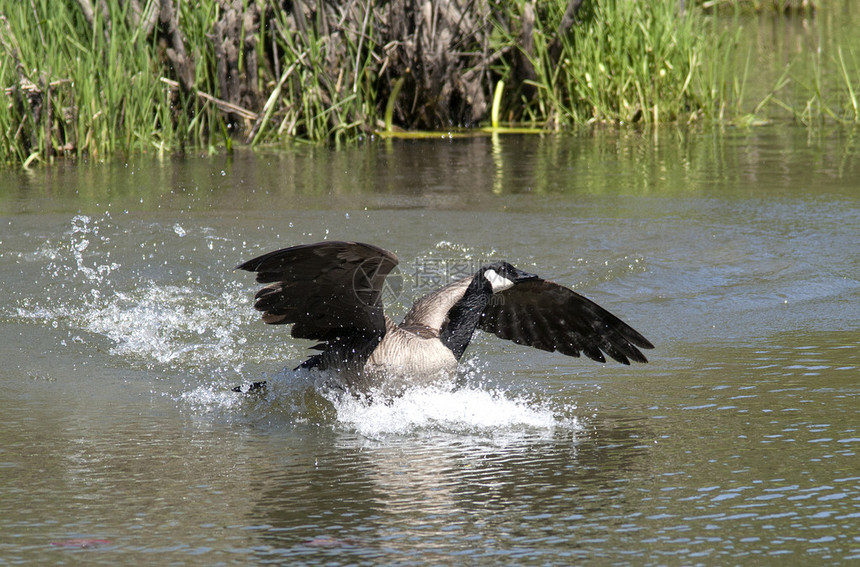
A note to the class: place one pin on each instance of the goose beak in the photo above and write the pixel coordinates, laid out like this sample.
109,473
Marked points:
522,276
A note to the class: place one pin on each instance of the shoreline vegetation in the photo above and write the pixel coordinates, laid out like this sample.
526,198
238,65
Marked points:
96,78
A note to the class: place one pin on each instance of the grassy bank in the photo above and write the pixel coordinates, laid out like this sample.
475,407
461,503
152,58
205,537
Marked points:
92,79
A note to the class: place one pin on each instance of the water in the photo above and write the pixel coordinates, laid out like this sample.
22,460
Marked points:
123,327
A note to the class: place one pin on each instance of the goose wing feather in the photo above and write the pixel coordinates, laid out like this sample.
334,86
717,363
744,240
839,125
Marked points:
549,316
325,290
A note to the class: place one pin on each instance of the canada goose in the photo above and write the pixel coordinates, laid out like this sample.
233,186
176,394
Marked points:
331,292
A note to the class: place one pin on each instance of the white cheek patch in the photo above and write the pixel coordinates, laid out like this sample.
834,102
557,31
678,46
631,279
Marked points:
499,282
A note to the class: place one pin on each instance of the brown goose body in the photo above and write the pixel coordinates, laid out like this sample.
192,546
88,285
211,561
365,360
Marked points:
331,292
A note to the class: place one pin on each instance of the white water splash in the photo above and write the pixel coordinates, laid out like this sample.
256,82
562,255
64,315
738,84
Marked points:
83,229
168,324
170,319
288,397
306,397
467,409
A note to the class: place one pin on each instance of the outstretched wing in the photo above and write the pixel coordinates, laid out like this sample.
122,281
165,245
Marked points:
551,317
325,290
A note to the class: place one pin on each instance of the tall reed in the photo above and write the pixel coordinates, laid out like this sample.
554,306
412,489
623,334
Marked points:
630,62
333,72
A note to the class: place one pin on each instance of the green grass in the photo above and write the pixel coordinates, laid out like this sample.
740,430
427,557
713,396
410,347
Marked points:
97,91
823,103
106,96
634,62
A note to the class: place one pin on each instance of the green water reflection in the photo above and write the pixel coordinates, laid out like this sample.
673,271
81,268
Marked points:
771,161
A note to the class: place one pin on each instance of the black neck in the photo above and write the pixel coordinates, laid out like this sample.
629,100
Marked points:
463,318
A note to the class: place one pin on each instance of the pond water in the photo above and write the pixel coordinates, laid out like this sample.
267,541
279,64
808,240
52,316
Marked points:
123,327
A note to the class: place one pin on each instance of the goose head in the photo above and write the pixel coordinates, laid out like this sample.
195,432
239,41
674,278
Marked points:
499,276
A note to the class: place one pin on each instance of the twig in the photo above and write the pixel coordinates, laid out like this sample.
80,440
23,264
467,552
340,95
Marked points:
222,105
176,53
87,9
